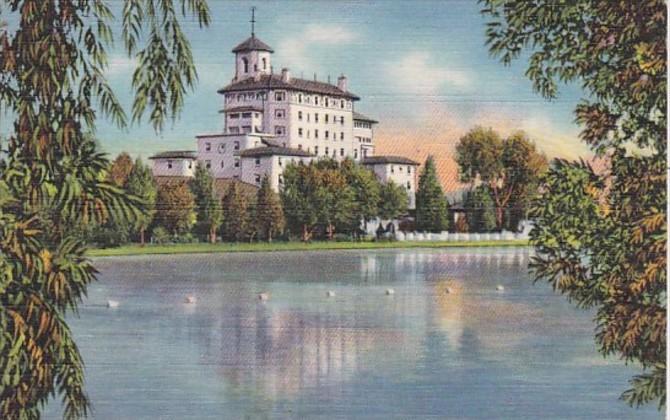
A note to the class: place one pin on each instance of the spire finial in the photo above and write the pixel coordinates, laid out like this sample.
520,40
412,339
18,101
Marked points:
253,20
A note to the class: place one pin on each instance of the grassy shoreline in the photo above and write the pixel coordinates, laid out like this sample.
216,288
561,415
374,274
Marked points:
203,248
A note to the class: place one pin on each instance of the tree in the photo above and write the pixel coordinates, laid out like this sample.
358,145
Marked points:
393,201
299,207
120,169
334,200
510,167
235,216
141,184
600,236
269,215
431,204
366,188
480,210
208,206
52,63
175,207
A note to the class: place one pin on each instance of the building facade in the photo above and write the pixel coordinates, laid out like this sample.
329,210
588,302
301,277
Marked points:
270,119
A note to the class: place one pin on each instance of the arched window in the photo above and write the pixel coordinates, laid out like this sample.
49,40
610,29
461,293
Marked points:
265,63
246,64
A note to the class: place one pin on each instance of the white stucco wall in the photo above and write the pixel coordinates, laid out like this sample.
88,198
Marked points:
173,167
223,154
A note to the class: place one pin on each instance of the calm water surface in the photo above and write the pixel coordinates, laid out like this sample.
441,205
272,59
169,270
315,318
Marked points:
420,353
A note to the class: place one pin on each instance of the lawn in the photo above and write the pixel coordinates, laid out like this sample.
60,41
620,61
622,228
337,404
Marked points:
201,248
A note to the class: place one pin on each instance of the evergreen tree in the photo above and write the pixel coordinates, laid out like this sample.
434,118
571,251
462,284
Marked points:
480,210
209,213
141,184
431,204
269,215
393,201
175,207
235,214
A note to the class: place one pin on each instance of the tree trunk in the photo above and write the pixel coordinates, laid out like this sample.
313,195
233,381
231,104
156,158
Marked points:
499,217
142,237
212,235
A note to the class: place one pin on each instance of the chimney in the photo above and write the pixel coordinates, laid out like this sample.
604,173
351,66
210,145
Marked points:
342,83
285,75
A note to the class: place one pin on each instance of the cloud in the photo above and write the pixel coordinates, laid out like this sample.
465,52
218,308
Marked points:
296,49
121,64
417,73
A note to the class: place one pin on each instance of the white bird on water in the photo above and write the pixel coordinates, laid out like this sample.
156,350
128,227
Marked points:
500,288
191,299
112,304
449,290
263,296
390,292
330,293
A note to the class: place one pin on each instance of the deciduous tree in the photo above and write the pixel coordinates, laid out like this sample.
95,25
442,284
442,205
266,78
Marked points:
175,207
120,169
393,201
235,214
600,236
141,184
208,207
269,215
510,168
480,210
52,66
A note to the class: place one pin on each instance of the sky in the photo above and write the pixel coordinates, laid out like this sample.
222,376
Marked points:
420,67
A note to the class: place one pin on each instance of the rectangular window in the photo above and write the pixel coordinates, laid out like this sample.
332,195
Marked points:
327,134
279,113
280,130
342,136
221,164
299,132
326,152
237,163
258,161
208,147
316,117
246,129
234,116
355,153
279,96
236,145
316,150
208,164
392,169
258,179
169,164
316,134
409,169
299,115
326,118
234,130
246,115
342,120
341,152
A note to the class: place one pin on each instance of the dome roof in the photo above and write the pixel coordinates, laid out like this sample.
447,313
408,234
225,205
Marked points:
252,44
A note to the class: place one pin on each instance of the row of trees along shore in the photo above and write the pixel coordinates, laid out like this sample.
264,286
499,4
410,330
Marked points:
318,200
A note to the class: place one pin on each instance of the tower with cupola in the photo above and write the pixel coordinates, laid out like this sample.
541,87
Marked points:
253,56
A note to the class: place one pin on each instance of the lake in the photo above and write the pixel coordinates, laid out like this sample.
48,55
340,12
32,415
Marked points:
420,353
